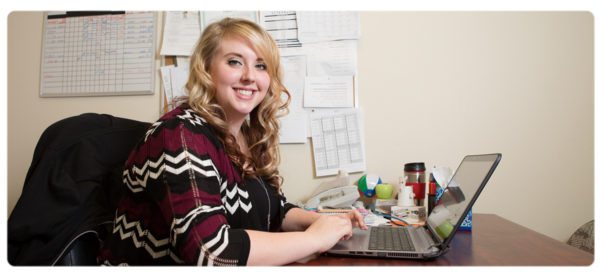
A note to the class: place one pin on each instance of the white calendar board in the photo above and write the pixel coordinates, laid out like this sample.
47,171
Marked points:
98,53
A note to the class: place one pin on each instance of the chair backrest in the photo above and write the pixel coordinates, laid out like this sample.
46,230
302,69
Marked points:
65,194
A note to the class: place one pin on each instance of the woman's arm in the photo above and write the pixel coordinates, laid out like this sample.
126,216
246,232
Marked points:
299,220
267,248
305,233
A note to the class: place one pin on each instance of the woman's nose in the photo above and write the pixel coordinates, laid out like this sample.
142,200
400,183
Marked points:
248,74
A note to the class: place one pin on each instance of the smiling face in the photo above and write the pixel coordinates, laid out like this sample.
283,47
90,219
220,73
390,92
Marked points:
240,77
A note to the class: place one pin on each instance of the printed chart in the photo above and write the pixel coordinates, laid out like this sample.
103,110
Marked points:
338,141
98,53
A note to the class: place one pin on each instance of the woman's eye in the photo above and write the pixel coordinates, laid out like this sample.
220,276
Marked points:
261,66
234,62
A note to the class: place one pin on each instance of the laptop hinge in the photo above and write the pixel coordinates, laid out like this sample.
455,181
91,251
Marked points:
432,238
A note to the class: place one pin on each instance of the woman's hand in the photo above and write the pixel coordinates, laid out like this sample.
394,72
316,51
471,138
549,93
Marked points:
355,219
326,231
323,231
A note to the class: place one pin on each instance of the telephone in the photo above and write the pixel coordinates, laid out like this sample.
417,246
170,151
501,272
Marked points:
339,196
336,192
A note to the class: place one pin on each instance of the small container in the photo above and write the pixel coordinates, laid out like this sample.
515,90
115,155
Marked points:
406,196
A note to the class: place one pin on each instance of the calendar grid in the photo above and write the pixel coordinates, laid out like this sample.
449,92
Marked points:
98,53
336,141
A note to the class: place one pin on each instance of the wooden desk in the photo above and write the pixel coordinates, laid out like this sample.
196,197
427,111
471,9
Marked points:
494,241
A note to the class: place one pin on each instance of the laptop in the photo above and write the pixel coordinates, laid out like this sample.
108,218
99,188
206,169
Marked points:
433,239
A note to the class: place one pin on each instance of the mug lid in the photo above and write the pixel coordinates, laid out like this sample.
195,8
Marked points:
414,166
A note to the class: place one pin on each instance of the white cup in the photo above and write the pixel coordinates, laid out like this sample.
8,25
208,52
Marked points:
406,196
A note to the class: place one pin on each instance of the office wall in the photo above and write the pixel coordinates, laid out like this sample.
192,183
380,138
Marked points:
434,86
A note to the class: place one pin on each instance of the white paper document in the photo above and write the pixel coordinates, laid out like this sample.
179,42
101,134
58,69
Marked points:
327,26
209,17
293,126
179,77
336,58
181,32
165,73
338,141
329,92
97,53
283,27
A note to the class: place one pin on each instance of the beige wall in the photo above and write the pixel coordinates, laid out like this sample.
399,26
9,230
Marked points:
434,86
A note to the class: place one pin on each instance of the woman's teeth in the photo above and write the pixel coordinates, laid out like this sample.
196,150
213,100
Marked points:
244,92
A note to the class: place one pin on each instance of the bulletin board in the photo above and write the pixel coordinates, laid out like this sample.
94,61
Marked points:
318,53
98,53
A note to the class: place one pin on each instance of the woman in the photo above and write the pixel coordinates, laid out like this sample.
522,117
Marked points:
203,185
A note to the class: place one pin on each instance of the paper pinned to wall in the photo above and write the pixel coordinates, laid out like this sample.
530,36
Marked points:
179,77
165,73
98,53
182,61
331,59
291,125
181,32
327,26
329,92
283,27
294,74
337,58
338,141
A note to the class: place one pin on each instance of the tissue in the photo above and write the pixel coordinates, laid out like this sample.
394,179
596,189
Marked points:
442,175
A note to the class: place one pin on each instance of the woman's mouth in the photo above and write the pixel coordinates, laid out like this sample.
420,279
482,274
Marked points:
244,92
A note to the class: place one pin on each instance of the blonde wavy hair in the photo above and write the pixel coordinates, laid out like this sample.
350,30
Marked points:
262,130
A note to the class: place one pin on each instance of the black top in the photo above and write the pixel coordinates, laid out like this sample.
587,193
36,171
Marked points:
260,201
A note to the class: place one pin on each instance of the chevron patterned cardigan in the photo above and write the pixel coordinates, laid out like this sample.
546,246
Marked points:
184,203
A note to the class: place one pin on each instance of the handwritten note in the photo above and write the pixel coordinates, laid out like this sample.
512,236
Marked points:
333,92
181,32
336,58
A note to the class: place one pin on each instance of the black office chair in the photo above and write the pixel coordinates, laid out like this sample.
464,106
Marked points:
82,252
71,190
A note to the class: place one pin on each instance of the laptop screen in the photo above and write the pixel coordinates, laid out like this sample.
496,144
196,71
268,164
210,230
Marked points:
459,196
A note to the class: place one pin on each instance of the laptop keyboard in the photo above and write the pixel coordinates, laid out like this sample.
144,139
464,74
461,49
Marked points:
390,239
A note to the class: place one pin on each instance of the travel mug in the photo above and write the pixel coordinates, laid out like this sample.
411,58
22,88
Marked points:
416,178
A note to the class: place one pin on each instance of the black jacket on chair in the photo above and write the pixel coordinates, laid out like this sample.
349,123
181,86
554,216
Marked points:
72,188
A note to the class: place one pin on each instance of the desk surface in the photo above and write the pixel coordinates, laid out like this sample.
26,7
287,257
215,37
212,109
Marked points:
493,241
